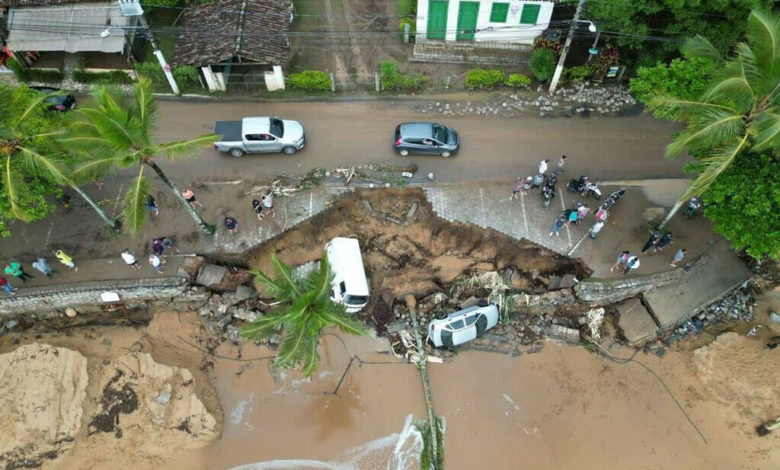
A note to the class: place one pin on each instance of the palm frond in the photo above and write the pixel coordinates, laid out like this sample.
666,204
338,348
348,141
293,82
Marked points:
145,106
763,36
288,285
732,87
264,326
680,109
699,46
337,316
96,166
711,130
319,281
14,187
112,128
767,135
713,165
134,203
185,148
47,166
299,347
31,107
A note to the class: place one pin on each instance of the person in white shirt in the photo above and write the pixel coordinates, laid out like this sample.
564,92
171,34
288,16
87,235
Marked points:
543,166
129,258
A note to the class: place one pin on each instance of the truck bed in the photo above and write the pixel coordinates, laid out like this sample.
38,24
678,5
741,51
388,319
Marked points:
229,130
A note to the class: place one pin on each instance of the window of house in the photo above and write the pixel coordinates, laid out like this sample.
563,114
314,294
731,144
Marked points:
530,14
499,12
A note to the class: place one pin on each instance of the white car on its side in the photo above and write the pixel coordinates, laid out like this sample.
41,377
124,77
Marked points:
464,325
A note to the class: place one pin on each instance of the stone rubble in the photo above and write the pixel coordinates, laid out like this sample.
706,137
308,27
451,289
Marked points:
582,98
738,305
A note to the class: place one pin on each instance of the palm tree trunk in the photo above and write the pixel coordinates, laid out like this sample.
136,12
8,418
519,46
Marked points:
112,224
208,229
671,213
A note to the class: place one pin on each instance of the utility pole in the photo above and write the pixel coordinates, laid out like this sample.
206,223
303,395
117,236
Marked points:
566,45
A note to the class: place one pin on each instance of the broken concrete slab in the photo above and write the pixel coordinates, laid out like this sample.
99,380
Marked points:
715,273
244,292
569,335
210,275
635,322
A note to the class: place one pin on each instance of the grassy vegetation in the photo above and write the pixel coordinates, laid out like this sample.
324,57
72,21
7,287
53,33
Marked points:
426,461
166,42
406,7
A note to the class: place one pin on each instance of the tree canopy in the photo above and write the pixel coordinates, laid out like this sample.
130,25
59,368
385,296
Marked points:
27,151
685,78
654,30
744,204
306,308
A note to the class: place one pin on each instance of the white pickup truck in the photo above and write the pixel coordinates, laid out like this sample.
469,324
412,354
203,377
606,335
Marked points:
259,135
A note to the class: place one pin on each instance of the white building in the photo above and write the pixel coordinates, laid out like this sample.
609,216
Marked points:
500,21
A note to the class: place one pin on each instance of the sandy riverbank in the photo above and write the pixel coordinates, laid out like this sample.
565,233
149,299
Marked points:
563,407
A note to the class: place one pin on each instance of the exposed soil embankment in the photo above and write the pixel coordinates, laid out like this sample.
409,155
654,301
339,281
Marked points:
408,249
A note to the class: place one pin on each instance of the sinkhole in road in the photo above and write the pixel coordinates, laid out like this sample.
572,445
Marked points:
409,250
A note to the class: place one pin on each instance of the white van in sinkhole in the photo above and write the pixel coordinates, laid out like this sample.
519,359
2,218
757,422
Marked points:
349,285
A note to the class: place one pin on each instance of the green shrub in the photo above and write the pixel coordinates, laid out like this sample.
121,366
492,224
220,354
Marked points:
45,76
186,76
310,80
542,64
576,74
517,80
392,80
483,78
152,71
20,72
114,77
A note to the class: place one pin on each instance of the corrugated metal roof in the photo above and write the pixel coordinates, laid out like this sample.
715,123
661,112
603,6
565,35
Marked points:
70,28
255,30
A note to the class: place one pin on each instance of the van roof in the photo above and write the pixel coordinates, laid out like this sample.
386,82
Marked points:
346,262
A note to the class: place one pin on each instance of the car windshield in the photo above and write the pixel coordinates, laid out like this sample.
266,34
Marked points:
457,324
277,127
355,299
440,133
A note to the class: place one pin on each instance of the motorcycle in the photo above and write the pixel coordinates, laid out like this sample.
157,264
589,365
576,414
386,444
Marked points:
692,207
577,185
548,193
592,189
613,198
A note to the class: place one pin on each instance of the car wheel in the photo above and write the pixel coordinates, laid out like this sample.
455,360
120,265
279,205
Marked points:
237,152
445,154
289,150
404,153
481,324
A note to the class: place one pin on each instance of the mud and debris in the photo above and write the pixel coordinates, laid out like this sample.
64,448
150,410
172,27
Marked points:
116,400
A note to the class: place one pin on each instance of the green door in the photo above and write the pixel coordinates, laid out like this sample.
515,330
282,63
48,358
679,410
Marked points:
467,21
437,19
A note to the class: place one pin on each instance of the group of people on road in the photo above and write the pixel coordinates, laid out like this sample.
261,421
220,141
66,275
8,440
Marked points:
261,207
15,269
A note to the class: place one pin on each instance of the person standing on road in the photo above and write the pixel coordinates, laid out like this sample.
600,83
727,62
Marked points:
572,217
231,224
15,269
602,214
157,246
7,287
662,242
582,211
678,257
516,189
129,259
42,266
559,167
157,263
151,205
595,229
268,203
543,166
258,208
66,260
189,196
631,264
621,260
651,241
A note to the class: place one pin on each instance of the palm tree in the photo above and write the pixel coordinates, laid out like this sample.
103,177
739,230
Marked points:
28,153
115,132
306,310
740,111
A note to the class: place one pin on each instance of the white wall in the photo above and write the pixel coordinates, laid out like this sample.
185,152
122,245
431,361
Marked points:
510,31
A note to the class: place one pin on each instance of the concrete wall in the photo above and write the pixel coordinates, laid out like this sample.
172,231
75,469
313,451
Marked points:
606,291
510,31
88,294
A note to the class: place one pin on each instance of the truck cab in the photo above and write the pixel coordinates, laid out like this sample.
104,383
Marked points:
259,135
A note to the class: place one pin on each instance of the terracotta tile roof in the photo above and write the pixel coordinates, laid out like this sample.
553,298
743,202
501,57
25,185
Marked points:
255,30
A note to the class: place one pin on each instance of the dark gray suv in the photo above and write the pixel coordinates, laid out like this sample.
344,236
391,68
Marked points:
425,138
